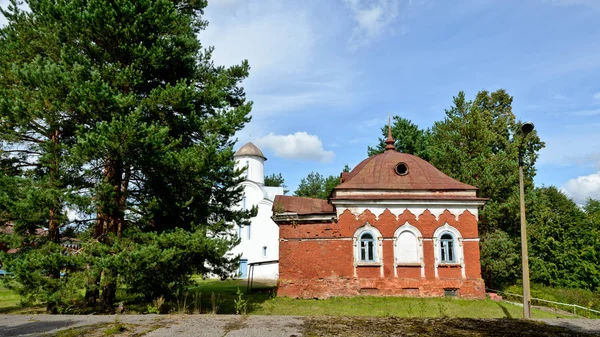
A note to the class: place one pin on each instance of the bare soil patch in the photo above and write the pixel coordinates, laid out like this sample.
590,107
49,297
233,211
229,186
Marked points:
395,326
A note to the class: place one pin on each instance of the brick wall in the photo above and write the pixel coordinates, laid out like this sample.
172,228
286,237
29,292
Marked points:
317,260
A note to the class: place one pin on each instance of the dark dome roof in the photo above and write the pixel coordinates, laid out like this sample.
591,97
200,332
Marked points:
379,173
250,150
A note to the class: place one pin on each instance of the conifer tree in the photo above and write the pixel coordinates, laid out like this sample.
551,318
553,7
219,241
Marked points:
478,143
408,138
116,110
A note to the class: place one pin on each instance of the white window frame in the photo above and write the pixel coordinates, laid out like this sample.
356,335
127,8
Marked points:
458,248
367,249
420,260
378,247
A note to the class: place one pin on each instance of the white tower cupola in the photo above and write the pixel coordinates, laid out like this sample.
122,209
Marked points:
251,157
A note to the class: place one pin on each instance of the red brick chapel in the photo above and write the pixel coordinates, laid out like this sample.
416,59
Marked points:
394,226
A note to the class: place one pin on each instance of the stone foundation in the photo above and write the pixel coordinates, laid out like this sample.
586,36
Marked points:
413,287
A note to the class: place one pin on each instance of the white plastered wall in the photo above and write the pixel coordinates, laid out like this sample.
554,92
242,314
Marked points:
263,231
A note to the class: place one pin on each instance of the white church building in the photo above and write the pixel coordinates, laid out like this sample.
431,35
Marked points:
259,241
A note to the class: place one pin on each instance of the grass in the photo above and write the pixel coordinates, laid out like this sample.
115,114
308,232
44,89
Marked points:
104,329
581,297
215,296
8,298
263,302
394,306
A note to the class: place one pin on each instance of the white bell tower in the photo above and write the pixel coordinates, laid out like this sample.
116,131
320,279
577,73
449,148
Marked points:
251,157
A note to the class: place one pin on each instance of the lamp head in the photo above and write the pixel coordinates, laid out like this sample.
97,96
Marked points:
527,127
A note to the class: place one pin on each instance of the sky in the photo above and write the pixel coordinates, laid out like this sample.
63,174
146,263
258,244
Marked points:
325,74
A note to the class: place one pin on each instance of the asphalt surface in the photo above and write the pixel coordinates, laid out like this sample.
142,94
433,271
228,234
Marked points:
170,325
201,325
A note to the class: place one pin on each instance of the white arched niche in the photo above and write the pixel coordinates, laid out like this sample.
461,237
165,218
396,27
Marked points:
408,248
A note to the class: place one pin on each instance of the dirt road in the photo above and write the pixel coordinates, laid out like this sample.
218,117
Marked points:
284,326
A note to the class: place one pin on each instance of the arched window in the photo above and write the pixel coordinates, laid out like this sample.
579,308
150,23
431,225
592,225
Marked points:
447,248
367,247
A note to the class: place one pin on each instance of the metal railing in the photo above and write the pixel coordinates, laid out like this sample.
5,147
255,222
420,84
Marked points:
571,307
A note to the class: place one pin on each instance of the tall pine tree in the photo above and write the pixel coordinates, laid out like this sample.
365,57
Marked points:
119,105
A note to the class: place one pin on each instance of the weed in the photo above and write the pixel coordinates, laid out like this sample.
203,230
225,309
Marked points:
271,303
181,299
215,302
422,308
409,310
240,303
443,310
197,302
156,305
115,329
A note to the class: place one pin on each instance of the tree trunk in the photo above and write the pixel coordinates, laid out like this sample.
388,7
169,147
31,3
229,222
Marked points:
53,225
51,308
109,292
111,220
92,291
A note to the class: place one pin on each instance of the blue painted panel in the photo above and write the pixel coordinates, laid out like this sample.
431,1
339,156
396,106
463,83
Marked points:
243,268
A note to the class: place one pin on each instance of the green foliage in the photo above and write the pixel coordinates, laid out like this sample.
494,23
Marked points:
583,297
161,264
276,180
408,138
478,143
155,307
500,259
316,186
115,111
37,276
240,303
215,303
564,249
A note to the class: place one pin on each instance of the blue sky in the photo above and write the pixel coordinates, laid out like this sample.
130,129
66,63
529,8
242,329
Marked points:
325,74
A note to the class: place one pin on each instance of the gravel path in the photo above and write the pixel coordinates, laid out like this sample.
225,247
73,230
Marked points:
207,325
580,325
35,325
233,326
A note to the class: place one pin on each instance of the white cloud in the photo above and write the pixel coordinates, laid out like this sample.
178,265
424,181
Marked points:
300,145
373,18
282,41
596,96
583,187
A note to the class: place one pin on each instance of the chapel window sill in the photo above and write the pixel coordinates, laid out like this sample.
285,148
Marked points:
368,264
408,264
449,265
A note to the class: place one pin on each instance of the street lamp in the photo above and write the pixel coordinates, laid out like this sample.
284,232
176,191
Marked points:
526,128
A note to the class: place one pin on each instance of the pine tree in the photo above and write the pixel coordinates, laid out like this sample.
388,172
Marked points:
276,180
409,138
119,112
317,186
478,143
